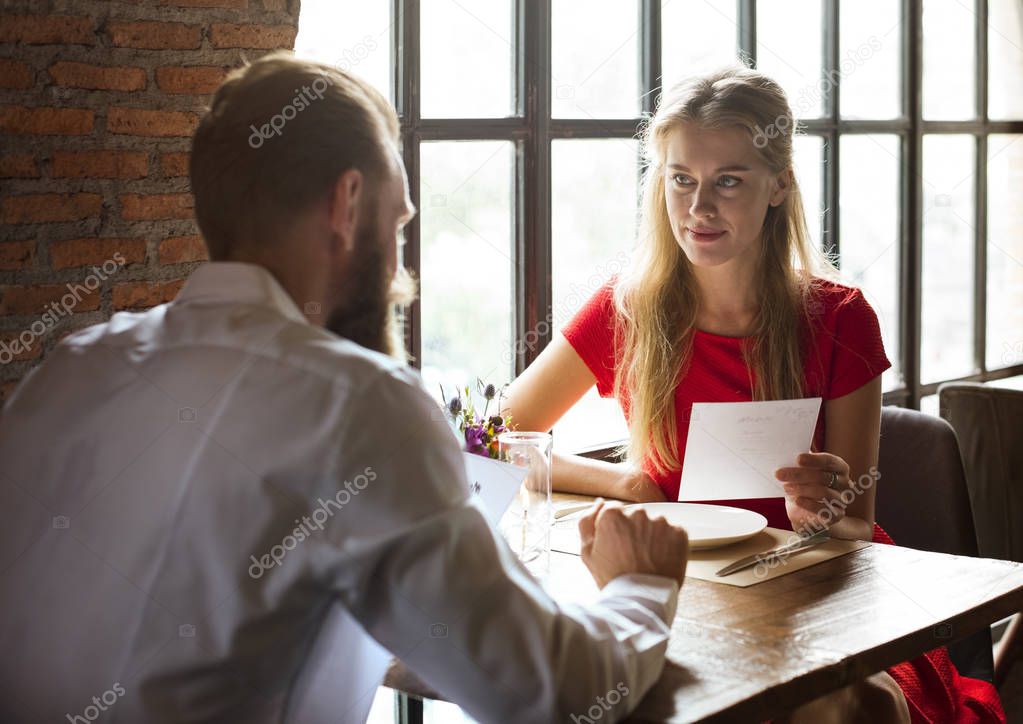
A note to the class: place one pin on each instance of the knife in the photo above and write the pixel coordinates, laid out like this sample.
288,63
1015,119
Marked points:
782,550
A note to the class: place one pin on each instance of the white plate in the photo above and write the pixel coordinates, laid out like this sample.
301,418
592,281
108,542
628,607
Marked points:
708,526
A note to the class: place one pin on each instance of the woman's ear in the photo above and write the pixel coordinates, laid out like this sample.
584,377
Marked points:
343,208
782,183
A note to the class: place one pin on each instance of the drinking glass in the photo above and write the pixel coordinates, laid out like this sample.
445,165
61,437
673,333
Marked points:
527,523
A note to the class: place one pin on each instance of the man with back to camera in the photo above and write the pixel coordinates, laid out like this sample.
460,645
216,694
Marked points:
239,505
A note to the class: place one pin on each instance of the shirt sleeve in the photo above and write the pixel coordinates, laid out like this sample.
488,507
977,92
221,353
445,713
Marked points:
591,334
428,579
859,354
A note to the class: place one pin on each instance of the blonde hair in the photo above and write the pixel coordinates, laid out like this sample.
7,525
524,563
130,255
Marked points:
657,298
276,137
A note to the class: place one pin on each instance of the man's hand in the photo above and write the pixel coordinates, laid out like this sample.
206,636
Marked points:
616,542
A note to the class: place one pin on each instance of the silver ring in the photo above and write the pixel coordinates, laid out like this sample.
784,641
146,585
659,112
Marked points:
833,483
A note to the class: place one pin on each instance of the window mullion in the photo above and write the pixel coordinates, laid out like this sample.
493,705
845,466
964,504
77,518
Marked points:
832,88
980,194
747,31
649,54
407,65
910,258
532,268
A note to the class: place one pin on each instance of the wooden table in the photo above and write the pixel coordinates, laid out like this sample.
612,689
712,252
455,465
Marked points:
748,654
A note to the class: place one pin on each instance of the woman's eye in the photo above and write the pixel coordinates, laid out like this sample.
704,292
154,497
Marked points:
681,179
729,182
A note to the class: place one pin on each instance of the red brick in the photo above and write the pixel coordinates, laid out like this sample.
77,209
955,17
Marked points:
199,79
174,164
142,295
20,165
98,77
145,207
100,164
155,35
47,30
93,252
34,208
17,254
45,121
143,122
16,75
207,3
37,299
180,249
227,35
19,346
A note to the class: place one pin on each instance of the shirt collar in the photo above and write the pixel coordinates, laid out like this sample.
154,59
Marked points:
233,282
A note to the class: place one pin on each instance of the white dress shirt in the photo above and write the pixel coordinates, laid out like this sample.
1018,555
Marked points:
215,511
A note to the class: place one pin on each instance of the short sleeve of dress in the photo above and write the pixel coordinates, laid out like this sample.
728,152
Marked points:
591,334
859,354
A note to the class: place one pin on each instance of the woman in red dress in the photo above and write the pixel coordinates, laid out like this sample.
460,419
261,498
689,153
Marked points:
727,300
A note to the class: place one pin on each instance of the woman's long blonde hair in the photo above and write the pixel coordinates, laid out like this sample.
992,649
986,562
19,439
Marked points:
657,297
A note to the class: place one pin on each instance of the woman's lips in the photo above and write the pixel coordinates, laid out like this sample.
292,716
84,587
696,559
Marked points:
705,235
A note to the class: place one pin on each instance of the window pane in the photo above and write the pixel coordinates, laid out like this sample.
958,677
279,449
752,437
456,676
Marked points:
466,58
808,166
948,60
685,53
869,64
443,712
351,35
594,59
466,262
947,305
594,192
1005,58
789,50
869,217
1005,251
594,211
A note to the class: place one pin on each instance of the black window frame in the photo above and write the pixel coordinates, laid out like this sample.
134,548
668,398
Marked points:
532,129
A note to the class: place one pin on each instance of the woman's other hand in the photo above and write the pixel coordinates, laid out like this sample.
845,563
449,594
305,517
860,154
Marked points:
814,490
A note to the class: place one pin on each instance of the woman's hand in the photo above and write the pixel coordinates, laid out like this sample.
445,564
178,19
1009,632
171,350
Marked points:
636,486
813,491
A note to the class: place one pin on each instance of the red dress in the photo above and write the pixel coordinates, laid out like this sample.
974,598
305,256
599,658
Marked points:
842,352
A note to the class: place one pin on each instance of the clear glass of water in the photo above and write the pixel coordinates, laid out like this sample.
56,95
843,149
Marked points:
527,523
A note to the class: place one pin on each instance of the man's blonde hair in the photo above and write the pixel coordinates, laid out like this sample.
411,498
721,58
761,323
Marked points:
276,137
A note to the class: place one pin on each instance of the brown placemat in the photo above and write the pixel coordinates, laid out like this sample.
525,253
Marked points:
704,564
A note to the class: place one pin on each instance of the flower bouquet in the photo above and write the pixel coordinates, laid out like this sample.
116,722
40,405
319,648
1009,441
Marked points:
479,431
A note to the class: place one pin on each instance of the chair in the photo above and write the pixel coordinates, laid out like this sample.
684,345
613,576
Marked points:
922,502
989,424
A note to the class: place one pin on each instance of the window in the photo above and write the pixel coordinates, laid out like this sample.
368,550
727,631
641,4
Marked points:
519,122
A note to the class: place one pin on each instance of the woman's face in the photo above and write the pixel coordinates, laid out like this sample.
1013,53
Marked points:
717,190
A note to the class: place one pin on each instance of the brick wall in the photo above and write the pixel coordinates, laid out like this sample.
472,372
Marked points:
98,103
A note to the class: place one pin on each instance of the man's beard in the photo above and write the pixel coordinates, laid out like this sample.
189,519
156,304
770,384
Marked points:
367,314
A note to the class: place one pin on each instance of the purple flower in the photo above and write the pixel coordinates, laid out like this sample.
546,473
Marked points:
475,440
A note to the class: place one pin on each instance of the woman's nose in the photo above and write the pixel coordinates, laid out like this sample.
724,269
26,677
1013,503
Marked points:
703,204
